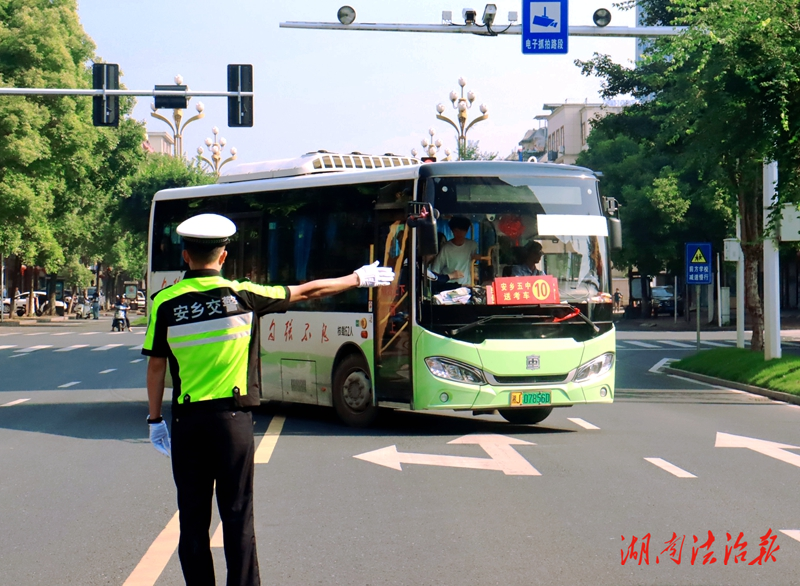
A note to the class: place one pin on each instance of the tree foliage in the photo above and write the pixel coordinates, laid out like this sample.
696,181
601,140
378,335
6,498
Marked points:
718,100
471,152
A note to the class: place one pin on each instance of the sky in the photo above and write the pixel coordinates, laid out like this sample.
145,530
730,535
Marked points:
343,91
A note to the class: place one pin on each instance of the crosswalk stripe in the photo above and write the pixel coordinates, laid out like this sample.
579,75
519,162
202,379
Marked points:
67,385
584,424
17,402
678,344
71,348
106,347
671,468
642,344
33,348
717,344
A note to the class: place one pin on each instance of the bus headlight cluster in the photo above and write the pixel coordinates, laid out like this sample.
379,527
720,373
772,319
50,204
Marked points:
452,370
594,368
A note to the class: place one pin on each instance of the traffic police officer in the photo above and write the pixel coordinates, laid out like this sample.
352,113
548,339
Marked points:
206,328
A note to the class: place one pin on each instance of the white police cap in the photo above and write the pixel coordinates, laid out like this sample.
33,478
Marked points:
210,229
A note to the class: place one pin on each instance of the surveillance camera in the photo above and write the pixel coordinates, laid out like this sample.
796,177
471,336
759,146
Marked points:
469,15
489,13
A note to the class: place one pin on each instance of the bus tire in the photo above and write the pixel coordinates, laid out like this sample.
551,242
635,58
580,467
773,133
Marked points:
526,416
352,392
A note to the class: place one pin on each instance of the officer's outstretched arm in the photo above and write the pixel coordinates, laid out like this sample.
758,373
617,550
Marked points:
367,276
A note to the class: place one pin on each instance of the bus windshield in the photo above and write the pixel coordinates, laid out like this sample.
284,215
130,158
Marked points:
516,226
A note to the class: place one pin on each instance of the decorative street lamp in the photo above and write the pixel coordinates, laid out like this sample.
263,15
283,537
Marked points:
431,147
215,146
462,105
177,116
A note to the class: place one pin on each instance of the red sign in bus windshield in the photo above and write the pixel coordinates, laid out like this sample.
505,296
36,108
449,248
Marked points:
523,291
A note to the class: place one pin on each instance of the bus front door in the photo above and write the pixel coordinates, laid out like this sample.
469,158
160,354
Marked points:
392,307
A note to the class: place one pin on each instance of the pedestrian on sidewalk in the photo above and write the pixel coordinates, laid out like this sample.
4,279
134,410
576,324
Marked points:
96,308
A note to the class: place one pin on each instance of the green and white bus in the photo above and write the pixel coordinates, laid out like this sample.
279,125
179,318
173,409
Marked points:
417,345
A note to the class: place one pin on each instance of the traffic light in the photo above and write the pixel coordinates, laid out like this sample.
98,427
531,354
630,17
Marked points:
105,109
240,108
171,102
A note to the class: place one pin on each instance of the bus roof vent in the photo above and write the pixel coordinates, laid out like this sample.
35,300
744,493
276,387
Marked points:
315,162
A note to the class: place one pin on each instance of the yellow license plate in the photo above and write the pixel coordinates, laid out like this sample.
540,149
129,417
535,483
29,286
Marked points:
519,399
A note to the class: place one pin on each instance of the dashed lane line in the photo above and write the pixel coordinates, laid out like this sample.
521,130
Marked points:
17,402
71,348
62,333
139,347
35,334
583,423
68,385
641,344
149,569
88,333
106,347
106,371
7,346
33,348
671,468
137,360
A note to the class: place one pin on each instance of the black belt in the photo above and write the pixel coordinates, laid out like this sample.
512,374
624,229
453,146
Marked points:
210,406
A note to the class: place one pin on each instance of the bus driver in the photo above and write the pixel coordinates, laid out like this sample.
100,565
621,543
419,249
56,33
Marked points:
458,253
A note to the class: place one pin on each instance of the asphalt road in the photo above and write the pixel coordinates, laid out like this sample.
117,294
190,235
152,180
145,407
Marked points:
84,498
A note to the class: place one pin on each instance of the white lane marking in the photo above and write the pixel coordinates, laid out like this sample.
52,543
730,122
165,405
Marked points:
35,334
62,334
793,533
17,402
149,568
267,444
671,468
72,384
115,333
656,368
137,360
8,334
7,346
699,382
772,449
678,344
106,371
88,333
139,347
717,344
216,538
106,347
584,424
71,348
33,348
642,344
139,332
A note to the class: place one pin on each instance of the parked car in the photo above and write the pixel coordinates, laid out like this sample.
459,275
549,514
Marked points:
662,300
21,302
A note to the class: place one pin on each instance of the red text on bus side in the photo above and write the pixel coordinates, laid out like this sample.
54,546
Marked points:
740,545
287,331
643,555
672,548
324,336
708,558
271,336
306,334
767,551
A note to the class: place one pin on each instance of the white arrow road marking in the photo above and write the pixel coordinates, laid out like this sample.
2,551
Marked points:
584,424
671,468
793,533
17,402
771,449
656,368
71,348
502,456
106,347
68,385
641,344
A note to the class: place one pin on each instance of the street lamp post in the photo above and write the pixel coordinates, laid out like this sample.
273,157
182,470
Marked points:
431,147
215,147
462,105
176,124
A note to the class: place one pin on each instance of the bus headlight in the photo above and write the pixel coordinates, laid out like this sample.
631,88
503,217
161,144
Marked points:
452,370
594,368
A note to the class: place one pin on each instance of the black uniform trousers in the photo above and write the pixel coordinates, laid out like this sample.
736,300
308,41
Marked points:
209,446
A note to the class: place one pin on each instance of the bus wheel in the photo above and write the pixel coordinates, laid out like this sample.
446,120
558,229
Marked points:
529,416
352,393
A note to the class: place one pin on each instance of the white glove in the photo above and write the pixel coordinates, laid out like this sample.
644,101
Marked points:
374,276
159,437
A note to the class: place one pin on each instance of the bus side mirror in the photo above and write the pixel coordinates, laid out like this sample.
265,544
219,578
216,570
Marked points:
615,233
422,216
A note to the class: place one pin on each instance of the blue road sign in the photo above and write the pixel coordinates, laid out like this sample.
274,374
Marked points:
698,263
545,27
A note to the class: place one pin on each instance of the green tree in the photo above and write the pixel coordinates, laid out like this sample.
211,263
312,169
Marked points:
724,96
471,152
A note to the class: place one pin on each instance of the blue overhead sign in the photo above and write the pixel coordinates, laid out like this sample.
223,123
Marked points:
698,263
545,27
